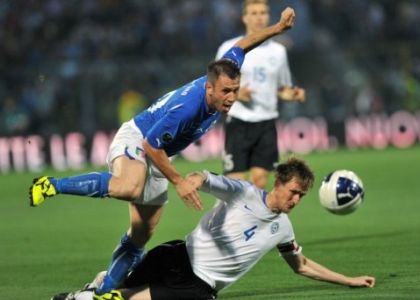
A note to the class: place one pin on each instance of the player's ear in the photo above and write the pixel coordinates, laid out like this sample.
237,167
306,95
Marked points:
244,19
209,87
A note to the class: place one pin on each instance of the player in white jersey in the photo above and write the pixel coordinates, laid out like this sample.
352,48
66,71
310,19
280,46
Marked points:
228,241
250,126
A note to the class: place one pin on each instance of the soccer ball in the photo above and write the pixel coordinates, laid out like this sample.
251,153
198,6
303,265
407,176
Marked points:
341,192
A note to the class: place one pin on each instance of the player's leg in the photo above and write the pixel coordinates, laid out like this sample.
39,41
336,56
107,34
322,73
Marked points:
237,149
236,153
127,187
93,184
265,153
130,251
145,213
167,271
259,176
127,163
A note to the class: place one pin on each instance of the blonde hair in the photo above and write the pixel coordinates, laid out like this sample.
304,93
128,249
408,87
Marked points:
250,2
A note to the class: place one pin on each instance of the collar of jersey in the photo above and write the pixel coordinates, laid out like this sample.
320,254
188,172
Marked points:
264,198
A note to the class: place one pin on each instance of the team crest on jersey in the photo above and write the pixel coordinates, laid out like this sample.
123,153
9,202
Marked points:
274,227
167,138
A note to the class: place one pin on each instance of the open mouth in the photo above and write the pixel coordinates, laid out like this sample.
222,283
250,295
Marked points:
227,107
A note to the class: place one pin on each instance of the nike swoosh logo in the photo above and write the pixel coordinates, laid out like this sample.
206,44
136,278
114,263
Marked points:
176,106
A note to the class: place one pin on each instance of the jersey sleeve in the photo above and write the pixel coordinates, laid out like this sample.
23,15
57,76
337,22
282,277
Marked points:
235,54
289,248
222,187
288,245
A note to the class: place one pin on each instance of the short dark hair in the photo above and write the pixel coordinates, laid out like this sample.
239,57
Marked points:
295,168
222,66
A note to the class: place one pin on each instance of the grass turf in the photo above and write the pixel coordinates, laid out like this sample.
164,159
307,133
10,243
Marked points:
61,245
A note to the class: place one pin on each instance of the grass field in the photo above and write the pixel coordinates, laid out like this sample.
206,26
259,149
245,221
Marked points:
61,245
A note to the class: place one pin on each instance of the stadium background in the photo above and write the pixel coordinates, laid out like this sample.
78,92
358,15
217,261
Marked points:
85,66
72,71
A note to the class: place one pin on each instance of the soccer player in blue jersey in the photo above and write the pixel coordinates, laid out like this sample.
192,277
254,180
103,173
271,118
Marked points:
139,156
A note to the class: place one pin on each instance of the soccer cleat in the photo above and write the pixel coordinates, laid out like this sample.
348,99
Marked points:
41,189
111,295
84,294
62,296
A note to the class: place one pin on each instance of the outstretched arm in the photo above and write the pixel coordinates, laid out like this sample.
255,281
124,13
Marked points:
222,187
251,41
186,191
306,267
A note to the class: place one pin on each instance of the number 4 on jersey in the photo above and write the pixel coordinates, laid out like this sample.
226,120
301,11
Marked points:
250,232
161,102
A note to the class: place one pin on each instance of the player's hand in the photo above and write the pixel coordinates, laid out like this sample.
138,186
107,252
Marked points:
300,94
362,281
287,19
292,94
188,193
196,179
244,94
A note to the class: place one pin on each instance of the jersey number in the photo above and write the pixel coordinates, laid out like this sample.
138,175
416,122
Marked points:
260,74
249,232
161,102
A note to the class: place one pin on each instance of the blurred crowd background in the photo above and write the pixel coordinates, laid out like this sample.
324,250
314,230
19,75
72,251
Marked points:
85,65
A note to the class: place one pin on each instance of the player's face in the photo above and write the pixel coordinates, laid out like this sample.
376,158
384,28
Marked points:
287,196
223,93
256,17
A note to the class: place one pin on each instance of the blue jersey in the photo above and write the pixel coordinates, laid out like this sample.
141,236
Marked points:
182,116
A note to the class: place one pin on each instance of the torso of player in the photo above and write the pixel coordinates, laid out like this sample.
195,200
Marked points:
264,71
231,239
178,118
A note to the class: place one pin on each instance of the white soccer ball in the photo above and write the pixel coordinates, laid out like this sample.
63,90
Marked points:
341,192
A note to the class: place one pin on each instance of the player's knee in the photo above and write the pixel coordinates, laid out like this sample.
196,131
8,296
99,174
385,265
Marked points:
127,191
260,181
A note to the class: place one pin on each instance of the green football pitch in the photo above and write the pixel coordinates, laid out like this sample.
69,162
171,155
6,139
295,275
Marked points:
62,244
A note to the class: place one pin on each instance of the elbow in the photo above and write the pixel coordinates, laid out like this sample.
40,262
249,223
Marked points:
298,269
302,267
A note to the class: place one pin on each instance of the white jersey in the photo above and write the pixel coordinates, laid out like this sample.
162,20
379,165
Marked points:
264,71
231,238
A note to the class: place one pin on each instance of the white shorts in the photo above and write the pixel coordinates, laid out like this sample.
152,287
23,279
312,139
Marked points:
129,142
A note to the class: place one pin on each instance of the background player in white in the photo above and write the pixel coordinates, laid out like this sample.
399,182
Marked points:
139,154
250,126
228,241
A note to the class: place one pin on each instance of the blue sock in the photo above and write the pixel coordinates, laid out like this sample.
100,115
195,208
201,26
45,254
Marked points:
124,259
92,184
